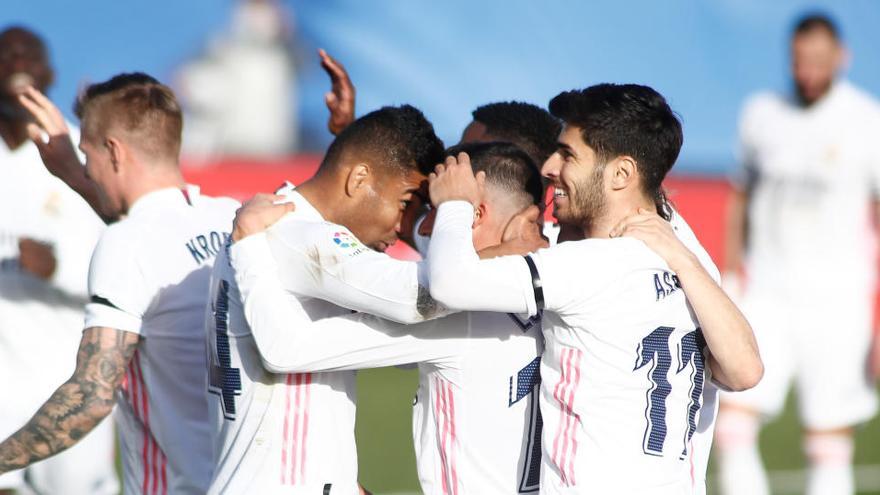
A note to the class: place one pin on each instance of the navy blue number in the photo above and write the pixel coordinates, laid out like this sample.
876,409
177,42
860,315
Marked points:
654,349
225,381
692,346
523,384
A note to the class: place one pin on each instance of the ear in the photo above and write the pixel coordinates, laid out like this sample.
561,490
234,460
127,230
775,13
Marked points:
480,214
359,176
844,58
117,150
623,172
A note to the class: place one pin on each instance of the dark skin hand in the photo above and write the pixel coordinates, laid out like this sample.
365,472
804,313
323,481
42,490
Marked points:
36,258
340,98
78,405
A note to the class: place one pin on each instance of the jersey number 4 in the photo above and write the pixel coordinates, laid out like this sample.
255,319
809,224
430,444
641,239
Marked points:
224,380
655,351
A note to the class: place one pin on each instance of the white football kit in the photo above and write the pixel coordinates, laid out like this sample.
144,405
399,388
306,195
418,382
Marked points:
41,321
812,175
149,275
623,369
294,432
476,423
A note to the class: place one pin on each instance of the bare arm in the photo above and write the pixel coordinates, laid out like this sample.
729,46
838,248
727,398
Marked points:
734,359
78,405
59,153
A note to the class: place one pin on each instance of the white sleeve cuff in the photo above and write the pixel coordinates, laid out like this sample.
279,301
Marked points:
102,315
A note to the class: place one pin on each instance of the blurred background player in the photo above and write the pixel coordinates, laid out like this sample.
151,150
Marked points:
240,95
143,346
801,231
47,234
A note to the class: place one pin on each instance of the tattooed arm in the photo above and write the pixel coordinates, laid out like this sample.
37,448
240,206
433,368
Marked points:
78,405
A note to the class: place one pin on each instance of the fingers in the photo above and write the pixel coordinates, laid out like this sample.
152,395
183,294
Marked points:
43,111
35,133
531,214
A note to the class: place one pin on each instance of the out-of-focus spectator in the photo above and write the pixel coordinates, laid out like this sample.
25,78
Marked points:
47,234
801,227
240,95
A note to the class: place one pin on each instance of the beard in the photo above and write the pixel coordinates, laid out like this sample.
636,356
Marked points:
586,201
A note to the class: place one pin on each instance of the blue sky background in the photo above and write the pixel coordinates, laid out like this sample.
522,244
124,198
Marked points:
449,57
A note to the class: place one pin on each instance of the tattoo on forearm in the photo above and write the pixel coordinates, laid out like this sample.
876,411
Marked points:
78,405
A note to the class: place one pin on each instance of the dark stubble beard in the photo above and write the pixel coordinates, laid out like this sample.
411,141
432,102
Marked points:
588,201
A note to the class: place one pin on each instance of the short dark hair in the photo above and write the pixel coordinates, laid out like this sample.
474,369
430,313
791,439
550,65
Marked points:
393,139
528,126
626,119
507,167
813,21
139,104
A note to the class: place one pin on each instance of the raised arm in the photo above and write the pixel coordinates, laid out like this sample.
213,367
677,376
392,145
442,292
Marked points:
734,358
289,341
58,151
78,405
458,278
340,99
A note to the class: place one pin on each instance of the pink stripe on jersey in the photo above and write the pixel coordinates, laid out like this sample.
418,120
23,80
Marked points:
295,439
293,449
305,431
164,474
691,461
574,417
285,443
452,438
439,415
565,440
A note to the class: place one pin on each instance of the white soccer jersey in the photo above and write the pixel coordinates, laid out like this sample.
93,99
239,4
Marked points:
476,422
41,320
623,368
277,431
812,173
149,275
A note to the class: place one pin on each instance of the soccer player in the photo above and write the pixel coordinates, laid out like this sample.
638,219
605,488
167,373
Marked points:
476,421
625,360
47,234
295,432
143,345
801,215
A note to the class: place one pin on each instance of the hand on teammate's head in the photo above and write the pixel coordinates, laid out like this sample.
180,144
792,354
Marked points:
455,180
259,213
341,97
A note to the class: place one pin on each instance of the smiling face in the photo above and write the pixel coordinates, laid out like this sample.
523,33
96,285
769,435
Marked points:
377,215
577,176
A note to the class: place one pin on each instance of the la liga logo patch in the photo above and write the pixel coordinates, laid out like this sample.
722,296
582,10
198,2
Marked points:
345,240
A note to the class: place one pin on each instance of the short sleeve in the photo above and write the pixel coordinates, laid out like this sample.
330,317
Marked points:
118,291
574,272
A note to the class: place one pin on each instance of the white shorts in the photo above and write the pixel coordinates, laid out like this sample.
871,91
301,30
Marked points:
823,346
